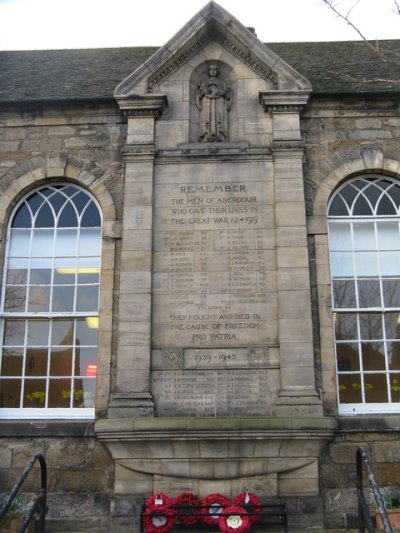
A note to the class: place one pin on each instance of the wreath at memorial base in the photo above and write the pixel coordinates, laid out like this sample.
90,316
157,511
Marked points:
187,507
234,520
159,499
158,518
213,505
250,503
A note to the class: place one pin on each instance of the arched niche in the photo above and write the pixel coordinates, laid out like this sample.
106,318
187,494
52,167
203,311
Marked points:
226,74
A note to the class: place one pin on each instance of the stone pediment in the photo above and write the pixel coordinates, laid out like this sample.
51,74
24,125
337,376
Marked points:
212,24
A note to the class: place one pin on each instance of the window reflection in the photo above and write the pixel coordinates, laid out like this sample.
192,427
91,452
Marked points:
344,293
10,392
350,388
345,326
347,356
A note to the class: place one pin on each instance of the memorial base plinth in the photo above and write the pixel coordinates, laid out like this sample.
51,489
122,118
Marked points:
268,456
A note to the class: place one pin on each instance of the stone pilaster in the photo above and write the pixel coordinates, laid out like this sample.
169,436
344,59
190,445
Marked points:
297,372
131,394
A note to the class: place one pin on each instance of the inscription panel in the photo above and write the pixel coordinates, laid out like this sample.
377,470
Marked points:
211,392
214,312
214,264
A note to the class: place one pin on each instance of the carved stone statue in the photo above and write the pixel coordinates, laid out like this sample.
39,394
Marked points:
213,100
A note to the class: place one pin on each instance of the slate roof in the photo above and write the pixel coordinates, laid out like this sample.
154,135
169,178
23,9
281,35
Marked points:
59,75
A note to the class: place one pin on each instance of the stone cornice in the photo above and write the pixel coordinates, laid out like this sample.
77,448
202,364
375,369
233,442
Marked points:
193,428
143,105
284,101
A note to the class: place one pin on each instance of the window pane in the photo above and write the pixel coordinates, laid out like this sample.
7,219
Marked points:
89,390
345,326
10,392
364,236
41,269
38,333
35,393
91,216
86,331
339,236
14,332
39,299
62,332
42,243
395,387
373,355
391,292
371,326
65,271
366,264
350,388
22,218
369,293
17,272
375,387
344,294
392,325
36,362
63,299
89,242
388,235
87,298
86,362
11,362
44,217
67,217
66,243
15,299
61,361
88,275
342,264
59,393
19,243
347,357
393,350
390,264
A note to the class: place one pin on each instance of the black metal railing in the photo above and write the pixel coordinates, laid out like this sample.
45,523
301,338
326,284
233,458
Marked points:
364,516
38,504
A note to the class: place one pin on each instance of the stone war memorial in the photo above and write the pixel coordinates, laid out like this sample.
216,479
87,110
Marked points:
200,275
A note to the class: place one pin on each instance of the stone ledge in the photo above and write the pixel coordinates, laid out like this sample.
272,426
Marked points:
46,428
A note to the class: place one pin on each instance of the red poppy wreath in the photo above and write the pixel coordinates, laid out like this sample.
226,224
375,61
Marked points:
187,506
250,503
234,519
213,505
158,499
158,519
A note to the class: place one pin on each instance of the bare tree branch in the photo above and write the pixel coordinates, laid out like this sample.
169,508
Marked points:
391,56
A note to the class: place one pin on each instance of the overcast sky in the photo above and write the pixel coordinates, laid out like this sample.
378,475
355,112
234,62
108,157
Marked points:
50,24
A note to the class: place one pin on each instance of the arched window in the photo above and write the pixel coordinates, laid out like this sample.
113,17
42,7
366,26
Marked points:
49,305
364,244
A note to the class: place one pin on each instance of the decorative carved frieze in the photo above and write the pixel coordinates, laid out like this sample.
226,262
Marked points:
283,101
271,109
143,105
244,55
178,62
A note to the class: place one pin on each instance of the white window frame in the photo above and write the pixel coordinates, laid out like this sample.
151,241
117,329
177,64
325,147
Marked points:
375,219
70,413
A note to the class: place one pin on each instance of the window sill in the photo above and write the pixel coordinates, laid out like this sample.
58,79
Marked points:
381,423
